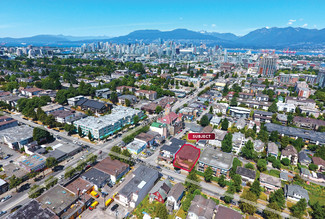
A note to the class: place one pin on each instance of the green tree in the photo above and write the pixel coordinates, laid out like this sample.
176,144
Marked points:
278,198
313,167
274,136
158,109
127,102
248,150
79,131
318,211
237,182
271,214
69,172
50,182
249,166
35,191
90,137
41,134
208,174
161,211
204,121
285,161
256,188
273,108
51,162
14,182
284,142
222,181
233,102
136,119
298,210
114,97
246,207
261,165
191,182
226,144
236,163
276,164
224,124
298,144
211,110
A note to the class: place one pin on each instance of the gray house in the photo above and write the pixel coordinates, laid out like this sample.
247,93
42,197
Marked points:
295,193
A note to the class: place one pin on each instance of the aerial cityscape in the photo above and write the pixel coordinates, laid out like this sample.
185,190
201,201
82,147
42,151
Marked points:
168,110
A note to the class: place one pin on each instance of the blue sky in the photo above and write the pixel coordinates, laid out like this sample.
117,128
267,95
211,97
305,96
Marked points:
20,18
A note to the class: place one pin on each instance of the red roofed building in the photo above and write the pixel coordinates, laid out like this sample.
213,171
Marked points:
31,91
174,121
186,157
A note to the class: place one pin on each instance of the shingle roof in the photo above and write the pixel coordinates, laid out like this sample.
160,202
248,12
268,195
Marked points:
202,207
290,190
246,172
227,213
176,191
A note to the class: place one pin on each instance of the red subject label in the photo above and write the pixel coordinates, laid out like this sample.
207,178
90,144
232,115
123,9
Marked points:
201,136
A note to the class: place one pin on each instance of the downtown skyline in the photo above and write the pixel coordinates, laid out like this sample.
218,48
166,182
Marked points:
106,18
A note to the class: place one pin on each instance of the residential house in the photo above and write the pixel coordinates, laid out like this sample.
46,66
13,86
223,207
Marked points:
308,136
240,123
304,159
305,173
160,190
259,146
138,187
114,168
148,94
174,197
215,121
186,157
238,141
201,208
227,213
121,89
50,108
262,116
94,106
272,149
29,92
7,122
219,136
283,118
12,100
168,151
303,122
295,193
239,112
286,107
150,107
290,152
147,138
220,108
63,116
319,162
246,95
74,100
220,162
262,97
247,175
271,183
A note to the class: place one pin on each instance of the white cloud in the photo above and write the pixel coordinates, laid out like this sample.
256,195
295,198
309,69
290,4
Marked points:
267,27
305,25
291,21
213,25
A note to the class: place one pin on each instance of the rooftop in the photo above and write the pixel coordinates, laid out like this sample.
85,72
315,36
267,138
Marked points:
216,159
202,207
17,133
246,172
57,199
32,209
118,113
272,180
142,175
95,176
111,167
227,213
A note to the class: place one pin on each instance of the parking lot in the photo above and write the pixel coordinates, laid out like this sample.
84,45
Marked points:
4,151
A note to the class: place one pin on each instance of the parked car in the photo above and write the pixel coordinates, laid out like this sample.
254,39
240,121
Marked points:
15,208
114,207
2,212
6,198
171,178
104,194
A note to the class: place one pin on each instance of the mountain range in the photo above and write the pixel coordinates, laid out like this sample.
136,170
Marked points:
276,38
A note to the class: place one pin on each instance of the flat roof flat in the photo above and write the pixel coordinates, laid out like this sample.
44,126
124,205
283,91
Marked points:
216,158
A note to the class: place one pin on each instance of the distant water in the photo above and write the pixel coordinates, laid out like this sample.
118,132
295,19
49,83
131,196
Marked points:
277,52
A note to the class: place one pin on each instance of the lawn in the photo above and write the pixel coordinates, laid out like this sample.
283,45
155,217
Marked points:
316,193
181,213
263,196
275,173
145,206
